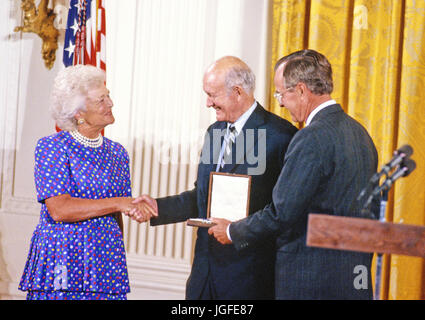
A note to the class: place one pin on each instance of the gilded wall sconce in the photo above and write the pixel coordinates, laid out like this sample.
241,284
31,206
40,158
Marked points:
40,21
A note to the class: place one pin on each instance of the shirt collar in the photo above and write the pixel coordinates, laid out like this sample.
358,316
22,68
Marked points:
243,118
320,107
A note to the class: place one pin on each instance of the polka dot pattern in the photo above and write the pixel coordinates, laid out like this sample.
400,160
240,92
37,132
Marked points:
73,295
86,256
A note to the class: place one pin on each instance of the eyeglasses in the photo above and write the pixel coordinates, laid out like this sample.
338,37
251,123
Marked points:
278,96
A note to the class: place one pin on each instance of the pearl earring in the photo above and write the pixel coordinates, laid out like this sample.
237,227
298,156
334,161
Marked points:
80,121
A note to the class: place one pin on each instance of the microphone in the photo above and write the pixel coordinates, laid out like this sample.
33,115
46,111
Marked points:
404,152
406,167
400,158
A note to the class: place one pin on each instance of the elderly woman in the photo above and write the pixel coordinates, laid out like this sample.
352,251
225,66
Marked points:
83,184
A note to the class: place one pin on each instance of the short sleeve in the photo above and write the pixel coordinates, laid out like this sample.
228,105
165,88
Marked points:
51,172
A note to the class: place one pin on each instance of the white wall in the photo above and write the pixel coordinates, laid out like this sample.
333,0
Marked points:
157,51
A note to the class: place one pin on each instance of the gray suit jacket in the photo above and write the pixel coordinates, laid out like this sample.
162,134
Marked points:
326,166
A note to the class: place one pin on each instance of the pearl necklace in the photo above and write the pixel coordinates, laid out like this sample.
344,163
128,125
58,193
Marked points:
87,142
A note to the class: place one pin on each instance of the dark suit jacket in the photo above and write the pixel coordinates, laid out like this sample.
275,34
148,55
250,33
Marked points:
327,165
236,275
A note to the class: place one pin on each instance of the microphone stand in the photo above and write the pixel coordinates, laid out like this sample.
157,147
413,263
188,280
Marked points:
407,165
378,274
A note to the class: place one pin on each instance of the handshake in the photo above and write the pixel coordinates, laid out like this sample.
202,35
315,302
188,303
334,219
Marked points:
142,209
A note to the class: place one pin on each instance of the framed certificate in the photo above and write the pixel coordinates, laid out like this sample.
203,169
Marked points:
228,198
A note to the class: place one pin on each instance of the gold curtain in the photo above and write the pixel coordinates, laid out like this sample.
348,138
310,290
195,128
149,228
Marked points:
377,51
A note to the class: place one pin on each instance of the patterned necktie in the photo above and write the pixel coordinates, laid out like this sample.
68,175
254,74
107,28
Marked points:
230,140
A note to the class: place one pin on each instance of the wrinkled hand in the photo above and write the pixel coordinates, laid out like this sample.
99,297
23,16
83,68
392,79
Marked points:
142,209
219,231
146,208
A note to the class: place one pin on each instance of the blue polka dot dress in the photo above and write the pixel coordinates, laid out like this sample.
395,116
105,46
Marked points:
81,260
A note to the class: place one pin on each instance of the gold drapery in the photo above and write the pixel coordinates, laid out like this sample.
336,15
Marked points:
377,51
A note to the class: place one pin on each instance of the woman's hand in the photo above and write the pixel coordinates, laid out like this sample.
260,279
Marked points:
141,211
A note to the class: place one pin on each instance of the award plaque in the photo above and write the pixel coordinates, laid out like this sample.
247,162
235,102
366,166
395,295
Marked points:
228,198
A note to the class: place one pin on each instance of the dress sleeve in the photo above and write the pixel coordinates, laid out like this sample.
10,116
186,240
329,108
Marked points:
51,171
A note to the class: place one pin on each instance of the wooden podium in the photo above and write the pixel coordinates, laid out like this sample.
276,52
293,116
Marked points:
365,235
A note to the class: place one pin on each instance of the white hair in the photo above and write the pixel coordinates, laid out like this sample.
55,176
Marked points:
240,76
69,93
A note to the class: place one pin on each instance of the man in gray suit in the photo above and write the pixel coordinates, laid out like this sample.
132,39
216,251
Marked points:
326,166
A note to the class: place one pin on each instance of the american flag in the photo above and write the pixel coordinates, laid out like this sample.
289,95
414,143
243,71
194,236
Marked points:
85,34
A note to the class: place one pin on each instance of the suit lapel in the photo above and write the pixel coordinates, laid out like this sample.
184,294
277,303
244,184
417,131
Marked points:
217,138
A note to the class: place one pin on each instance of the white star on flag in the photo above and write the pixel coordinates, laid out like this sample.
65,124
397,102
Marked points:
70,49
75,27
79,5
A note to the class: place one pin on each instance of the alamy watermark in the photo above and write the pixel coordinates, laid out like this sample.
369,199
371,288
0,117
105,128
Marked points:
60,281
249,149
361,280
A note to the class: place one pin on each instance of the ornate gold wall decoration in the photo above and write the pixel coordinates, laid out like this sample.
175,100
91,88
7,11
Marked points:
40,21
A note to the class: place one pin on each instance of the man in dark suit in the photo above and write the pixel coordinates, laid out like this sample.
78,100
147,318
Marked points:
326,166
219,271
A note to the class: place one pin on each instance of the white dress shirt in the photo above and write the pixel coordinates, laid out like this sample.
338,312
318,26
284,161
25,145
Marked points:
238,124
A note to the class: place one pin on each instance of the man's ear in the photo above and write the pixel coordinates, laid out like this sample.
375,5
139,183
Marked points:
238,90
302,88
